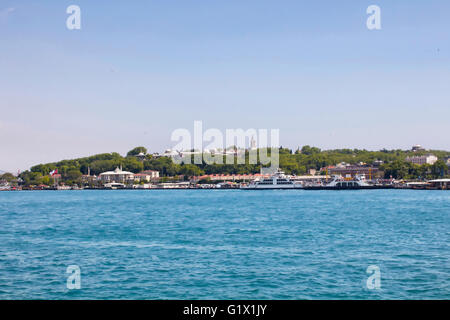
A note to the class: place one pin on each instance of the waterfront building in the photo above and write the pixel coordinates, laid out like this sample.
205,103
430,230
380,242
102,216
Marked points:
152,173
146,176
230,177
351,171
420,160
86,178
118,176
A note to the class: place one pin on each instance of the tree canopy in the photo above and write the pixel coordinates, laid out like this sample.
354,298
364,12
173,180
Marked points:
298,163
136,151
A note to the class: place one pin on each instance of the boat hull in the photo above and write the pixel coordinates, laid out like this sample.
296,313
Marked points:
274,187
347,188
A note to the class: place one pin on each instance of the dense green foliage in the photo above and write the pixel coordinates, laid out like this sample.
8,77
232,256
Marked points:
405,170
136,151
298,162
9,177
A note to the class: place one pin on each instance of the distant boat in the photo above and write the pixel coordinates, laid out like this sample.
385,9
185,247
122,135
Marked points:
63,188
5,186
277,181
114,186
339,183
224,185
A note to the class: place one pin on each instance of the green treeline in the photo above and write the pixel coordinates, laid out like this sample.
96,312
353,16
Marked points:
292,162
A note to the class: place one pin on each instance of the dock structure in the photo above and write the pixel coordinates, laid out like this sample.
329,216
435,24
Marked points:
443,184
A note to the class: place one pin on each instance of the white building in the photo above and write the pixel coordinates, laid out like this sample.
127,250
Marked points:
417,147
146,176
171,153
427,159
141,156
117,175
342,165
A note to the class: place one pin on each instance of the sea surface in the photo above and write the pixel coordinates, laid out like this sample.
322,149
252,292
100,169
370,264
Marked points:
225,244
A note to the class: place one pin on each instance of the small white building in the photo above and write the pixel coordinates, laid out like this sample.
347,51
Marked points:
171,153
417,147
152,173
141,156
426,159
146,176
117,175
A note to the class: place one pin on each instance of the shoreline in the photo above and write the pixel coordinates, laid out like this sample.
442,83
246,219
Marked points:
227,189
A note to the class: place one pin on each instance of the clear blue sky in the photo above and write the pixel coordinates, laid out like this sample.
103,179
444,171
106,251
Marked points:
137,70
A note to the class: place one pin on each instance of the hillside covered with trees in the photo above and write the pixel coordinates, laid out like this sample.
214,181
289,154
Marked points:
292,162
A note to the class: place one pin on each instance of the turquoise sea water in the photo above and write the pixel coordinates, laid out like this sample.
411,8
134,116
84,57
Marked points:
225,244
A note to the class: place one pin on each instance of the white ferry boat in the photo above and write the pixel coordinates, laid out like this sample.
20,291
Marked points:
5,186
339,183
114,186
63,188
277,181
